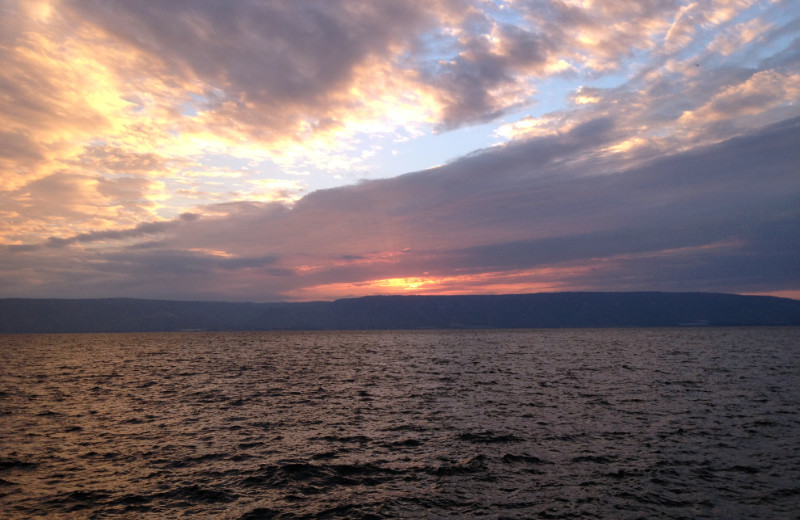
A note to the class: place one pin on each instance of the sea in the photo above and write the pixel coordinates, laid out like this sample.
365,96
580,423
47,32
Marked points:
686,423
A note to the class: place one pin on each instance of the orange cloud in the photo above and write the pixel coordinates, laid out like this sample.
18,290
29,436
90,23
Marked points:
495,282
763,95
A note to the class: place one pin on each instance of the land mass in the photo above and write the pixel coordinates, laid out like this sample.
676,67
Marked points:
542,310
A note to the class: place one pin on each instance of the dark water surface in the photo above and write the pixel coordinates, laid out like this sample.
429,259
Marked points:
634,423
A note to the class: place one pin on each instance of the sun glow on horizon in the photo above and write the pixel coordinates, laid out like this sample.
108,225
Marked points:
546,279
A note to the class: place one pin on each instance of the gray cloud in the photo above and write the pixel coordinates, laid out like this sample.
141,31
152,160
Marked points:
721,218
142,229
725,205
717,218
288,58
469,82
270,63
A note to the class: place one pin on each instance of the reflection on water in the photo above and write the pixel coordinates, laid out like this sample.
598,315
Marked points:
635,423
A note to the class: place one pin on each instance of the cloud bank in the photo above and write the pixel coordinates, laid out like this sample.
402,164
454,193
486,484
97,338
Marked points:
505,220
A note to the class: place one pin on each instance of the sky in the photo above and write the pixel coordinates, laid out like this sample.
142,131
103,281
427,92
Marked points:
266,150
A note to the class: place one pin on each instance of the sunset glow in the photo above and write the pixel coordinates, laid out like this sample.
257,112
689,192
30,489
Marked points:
307,150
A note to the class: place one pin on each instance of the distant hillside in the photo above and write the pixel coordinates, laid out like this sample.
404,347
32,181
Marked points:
635,309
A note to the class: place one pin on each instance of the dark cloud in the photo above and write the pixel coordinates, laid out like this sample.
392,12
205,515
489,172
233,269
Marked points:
269,64
735,200
287,57
706,217
487,75
168,261
140,230
247,263
145,228
156,271
482,174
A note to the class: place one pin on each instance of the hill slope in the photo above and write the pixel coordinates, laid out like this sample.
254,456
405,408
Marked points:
546,310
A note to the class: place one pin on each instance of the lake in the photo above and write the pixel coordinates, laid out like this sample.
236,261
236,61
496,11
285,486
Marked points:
580,423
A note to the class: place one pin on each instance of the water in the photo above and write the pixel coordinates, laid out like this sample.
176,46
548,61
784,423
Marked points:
634,423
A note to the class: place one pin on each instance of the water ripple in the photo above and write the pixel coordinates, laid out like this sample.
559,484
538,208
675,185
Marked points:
635,423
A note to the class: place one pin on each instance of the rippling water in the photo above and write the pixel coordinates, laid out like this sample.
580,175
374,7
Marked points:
635,423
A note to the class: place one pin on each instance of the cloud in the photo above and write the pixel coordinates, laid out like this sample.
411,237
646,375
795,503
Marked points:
142,229
489,73
650,227
65,203
283,70
667,155
695,219
275,68
105,158
763,91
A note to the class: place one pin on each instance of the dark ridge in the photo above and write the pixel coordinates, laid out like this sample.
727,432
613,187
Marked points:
544,310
